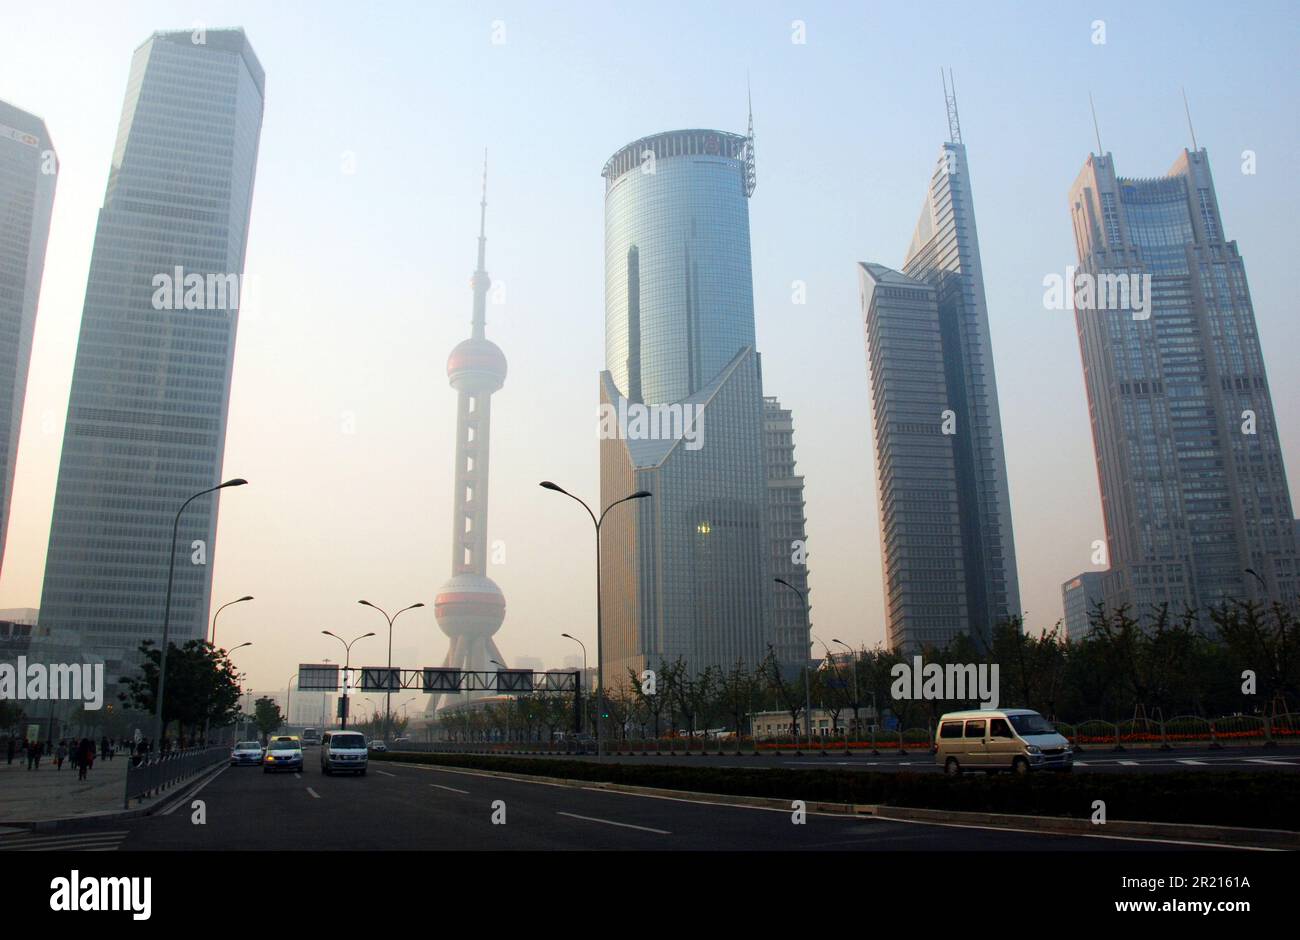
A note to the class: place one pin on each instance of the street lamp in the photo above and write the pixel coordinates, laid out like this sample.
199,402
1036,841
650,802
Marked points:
600,662
388,695
347,665
856,700
508,701
807,690
213,641
582,716
167,608
228,652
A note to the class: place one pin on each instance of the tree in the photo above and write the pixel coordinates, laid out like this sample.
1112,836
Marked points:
737,688
201,685
266,715
785,694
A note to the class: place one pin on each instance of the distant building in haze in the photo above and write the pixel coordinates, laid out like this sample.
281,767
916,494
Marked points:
1079,597
28,170
788,534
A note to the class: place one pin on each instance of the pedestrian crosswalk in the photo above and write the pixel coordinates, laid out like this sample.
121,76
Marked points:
24,840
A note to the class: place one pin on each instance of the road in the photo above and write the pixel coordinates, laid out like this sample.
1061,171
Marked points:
1096,760
399,807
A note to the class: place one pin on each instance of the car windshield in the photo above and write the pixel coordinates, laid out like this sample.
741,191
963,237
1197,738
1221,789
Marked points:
248,746
1031,724
347,740
284,745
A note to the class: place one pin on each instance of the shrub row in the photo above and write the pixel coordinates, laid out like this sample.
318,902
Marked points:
1258,799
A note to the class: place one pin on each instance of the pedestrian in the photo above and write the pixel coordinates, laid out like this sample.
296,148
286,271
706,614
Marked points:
103,747
86,757
60,755
31,755
11,748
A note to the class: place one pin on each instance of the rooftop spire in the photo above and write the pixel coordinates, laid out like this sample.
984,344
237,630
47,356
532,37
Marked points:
1095,126
1192,130
482,217
481,281
751,174
950,101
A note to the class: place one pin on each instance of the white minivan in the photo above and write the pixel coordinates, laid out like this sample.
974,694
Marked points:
343,751
1015,739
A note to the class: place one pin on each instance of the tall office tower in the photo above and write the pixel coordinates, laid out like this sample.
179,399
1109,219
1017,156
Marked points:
1079,597
945,256
788,536
146,425
28,167
685,573
916,476
1193,489
470,608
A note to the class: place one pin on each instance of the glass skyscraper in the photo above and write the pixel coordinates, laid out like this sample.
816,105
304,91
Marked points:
947,545
685,573
146,423
1193,488
28,168
788,537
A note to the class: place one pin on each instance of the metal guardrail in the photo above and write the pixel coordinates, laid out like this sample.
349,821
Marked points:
157,773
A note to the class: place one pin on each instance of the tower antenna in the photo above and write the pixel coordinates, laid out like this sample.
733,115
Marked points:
1188,110
751,173
950,101
1095,126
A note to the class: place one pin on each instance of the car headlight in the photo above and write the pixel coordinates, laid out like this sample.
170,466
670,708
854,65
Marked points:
1033,749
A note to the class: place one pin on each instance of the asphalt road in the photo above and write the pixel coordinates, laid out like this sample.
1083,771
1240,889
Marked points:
1089,761
422,808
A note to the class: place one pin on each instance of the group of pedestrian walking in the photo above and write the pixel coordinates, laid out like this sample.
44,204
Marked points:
81,752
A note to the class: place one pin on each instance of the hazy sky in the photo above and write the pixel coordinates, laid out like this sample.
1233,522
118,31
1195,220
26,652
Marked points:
360,282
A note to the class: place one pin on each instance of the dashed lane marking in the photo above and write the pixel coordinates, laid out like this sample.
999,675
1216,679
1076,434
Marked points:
610,822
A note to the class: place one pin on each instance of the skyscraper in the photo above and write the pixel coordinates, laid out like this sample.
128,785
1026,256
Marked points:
1193,488
787,535
685,573
944,333
1079,597
28,168
470,608
146,425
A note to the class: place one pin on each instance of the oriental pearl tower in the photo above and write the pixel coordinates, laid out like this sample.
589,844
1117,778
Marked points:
469,606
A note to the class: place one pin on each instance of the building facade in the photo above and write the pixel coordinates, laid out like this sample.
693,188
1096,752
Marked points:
1193,487
146,423
686,572
1079,598
947,543
28,171
788,535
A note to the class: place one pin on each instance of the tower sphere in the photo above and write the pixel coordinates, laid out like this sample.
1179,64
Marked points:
470,605
477,365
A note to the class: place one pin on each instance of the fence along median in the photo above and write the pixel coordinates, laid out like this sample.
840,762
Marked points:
158,773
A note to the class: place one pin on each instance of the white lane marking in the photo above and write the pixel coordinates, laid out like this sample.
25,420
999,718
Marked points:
193,793
1193,763
452,789
64,842
1081,763
296,775
1265,760
610,822
385,773
313,793
1127,763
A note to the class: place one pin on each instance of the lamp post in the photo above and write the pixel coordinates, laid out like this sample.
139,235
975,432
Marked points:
213,641
600,662
838,678
501,666
578,691
167,609
347,665
856,700
807,689
388,694
288,697
207,719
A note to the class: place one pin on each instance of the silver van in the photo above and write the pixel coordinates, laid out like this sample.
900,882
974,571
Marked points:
990,740
343,751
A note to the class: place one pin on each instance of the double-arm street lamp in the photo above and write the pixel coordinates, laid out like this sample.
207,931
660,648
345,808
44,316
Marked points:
388,695
600,677
240,600
167,610
347,665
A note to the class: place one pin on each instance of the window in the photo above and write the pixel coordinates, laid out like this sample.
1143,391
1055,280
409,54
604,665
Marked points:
950,729
998,728
975,729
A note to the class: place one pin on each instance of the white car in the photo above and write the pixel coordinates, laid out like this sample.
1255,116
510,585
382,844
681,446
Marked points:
343,751
246,752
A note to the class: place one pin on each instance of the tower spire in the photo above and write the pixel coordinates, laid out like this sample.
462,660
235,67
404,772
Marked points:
950,102
751,175
1095,126
481,281
1187,108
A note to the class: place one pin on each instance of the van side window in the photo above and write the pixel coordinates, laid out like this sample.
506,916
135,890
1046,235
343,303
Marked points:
998,728
975,728
950,729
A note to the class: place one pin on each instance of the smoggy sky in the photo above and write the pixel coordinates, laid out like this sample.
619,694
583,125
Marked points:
360,281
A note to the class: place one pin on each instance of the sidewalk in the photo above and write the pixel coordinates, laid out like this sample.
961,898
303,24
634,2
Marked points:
32,795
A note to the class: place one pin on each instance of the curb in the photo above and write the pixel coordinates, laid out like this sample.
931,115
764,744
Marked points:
66,822
1280,839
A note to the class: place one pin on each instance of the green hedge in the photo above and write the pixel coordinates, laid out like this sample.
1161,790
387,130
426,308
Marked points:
1259,799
